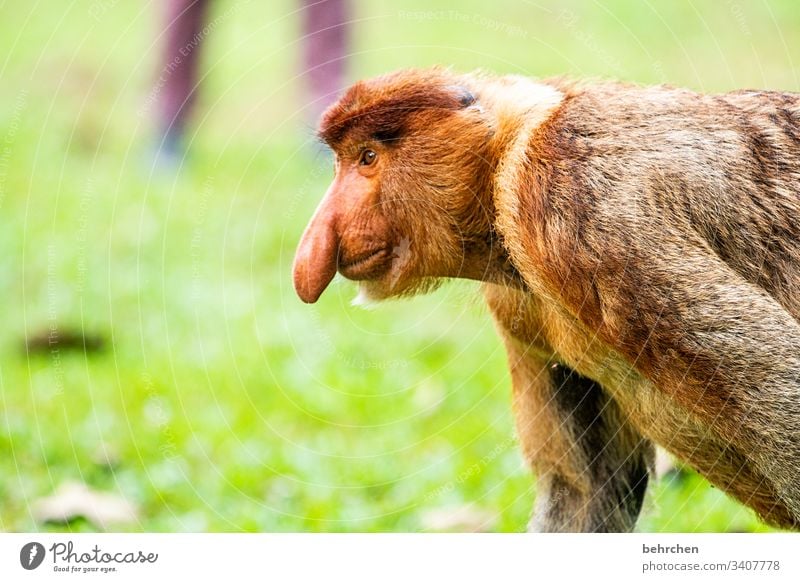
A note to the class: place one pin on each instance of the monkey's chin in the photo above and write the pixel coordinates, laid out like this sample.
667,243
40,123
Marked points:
364,298
370,293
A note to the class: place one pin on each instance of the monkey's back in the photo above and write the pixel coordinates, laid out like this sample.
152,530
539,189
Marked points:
725,167
661,228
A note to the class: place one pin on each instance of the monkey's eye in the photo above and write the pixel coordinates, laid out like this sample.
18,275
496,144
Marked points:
368,158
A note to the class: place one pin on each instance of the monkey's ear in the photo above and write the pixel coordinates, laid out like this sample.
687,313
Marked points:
464,95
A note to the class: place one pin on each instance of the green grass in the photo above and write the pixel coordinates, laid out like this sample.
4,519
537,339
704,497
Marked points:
230,404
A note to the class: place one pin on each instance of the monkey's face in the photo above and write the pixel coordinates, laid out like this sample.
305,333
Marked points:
350,231
370,232
403,205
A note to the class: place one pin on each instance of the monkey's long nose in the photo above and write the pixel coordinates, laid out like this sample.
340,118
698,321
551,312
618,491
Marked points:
315,260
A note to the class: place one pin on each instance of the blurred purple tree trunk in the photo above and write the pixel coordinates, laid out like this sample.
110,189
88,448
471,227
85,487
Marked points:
326,30
325,41
181,57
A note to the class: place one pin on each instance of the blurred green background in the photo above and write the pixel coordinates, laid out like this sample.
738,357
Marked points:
223,402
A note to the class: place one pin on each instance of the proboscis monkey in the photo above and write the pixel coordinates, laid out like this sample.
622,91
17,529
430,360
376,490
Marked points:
639,249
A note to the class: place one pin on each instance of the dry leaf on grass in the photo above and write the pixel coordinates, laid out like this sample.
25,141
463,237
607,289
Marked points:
464,518
72,500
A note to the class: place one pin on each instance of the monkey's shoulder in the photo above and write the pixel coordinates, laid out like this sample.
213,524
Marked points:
661,117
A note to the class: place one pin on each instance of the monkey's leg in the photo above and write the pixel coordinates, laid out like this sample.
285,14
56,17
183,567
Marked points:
592,465
729,354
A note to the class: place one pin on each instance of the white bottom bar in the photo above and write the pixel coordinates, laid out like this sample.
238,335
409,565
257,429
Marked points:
389,557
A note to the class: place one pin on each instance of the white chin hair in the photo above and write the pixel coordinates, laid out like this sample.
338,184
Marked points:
364,298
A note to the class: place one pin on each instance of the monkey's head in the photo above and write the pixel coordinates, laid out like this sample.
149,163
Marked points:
410,200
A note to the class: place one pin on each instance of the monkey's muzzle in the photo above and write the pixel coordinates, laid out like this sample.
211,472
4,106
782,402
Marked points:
347,233
321,253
